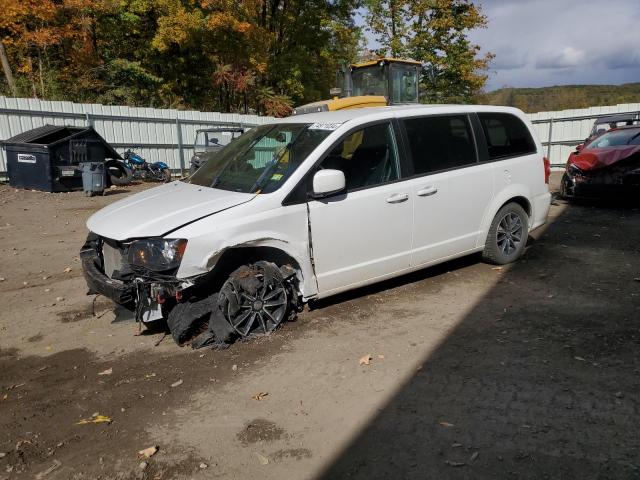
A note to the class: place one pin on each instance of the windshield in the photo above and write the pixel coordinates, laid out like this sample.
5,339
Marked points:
370,80
627,136
260,160
404,84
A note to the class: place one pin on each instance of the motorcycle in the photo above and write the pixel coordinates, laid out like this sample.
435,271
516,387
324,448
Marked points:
136,167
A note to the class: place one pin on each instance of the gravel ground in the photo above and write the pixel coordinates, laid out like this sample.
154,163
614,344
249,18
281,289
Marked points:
530,371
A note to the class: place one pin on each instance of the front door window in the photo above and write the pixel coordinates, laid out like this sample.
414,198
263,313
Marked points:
368,157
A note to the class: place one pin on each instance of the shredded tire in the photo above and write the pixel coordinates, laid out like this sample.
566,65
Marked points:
187,319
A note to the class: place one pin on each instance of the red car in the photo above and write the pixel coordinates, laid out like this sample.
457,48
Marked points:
608,164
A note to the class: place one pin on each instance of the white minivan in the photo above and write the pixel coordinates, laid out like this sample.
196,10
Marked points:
312,205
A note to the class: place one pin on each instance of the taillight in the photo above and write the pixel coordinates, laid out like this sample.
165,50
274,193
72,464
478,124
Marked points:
547,169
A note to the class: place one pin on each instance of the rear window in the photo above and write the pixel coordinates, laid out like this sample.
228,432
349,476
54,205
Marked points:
506,135
440,142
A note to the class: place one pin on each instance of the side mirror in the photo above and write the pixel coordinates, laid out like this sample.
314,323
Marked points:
327,182
579,147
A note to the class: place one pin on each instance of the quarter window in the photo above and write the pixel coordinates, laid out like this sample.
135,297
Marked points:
506,135
368,157
440,143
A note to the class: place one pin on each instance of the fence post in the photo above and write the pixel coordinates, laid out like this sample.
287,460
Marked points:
179,135
549,138
87,120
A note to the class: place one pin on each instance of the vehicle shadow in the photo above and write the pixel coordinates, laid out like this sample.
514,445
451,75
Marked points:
541,378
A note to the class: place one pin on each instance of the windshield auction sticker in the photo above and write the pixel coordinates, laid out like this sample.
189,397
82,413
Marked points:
324,126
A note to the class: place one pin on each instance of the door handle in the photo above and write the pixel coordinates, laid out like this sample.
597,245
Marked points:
398,198
427,191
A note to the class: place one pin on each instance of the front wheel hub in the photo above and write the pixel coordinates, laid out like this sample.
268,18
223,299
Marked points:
254,299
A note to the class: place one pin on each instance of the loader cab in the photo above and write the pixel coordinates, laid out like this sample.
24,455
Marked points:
396,80
376,83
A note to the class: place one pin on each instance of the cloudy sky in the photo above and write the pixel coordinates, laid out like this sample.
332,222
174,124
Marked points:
557,42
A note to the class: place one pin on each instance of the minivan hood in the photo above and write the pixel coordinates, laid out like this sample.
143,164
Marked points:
159,210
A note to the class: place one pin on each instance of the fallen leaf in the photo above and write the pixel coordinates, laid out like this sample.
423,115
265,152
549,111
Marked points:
447,424
259,396
95,419
262,459
108,371
203,466
366,360
44,473
454,464
474,456
176,384
148,452
381,356
67,270
580,359
234,367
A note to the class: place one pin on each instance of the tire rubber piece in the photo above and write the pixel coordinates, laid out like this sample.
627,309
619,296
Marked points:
185,319
491,253
125,174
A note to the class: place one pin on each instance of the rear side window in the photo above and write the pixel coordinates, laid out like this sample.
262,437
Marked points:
440,142
506,135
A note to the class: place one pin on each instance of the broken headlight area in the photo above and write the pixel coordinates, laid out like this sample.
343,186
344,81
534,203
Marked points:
140,276
157,254
142,290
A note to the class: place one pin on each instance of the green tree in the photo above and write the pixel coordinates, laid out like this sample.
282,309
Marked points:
434,32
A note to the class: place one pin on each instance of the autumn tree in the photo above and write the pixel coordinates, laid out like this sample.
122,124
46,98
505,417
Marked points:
434,32
261,56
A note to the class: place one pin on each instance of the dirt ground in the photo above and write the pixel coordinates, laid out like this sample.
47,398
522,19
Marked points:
530,371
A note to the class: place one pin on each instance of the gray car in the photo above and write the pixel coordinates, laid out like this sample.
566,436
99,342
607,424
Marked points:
209,141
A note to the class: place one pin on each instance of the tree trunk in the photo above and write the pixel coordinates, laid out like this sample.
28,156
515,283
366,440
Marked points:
33,82
7,70
40,73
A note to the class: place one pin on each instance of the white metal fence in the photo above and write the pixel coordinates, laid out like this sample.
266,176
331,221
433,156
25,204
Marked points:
561,131
167,135
156,134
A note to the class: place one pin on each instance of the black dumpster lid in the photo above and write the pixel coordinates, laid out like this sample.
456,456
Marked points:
52,134
31,136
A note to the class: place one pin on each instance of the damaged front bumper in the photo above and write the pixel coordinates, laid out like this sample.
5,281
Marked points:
120,292
148,294
617,180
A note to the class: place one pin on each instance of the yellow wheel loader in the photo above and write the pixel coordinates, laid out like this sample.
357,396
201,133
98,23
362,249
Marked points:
376,83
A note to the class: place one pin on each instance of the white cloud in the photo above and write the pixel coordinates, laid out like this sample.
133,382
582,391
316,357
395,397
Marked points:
564,58
554,42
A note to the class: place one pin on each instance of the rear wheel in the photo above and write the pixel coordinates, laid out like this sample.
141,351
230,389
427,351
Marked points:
166,175
507,235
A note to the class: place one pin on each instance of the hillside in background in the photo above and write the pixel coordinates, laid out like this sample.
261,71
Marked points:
533,100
